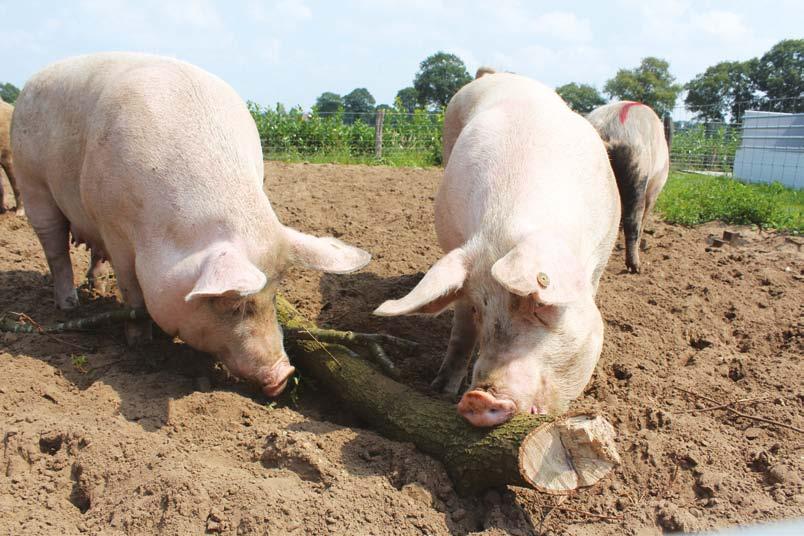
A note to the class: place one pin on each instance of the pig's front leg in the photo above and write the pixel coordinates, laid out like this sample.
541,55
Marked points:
137,331
461,345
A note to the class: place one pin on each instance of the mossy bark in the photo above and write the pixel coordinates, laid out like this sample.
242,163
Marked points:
475,458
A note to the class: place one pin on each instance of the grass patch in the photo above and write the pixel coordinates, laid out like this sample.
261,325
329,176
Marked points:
391,158
690,199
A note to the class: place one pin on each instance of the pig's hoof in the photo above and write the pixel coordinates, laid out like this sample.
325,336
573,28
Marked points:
446,384
20,211
138,332
68,302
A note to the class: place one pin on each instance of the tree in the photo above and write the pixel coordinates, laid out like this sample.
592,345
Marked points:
328,103
9,92
780,75
358,104
407,98
582,98
728,88
439,77
651,83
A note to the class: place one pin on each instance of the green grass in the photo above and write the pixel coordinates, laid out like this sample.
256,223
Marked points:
690,199
395,158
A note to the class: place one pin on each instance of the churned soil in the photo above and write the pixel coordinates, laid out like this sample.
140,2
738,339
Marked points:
101,438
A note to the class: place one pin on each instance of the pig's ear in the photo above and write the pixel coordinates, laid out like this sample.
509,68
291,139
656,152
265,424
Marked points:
325,254
543,268
229,273
440,286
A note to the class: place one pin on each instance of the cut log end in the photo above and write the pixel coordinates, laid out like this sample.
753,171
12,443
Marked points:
565,455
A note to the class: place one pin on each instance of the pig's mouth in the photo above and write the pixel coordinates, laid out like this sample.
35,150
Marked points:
275,379
485,407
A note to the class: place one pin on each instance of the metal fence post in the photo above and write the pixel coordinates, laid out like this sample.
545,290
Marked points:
378,133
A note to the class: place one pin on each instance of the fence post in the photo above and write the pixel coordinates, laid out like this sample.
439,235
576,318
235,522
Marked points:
378,133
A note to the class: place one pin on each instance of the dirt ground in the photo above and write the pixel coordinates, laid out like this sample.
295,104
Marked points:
98,437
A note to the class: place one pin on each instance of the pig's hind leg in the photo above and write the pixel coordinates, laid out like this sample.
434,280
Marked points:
461,345
53,230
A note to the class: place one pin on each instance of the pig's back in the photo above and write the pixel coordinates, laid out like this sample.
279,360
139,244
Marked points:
636,126
523,161
129,140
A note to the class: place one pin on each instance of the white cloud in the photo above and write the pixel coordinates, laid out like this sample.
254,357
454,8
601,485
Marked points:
296,10
197,13
723,24
563,25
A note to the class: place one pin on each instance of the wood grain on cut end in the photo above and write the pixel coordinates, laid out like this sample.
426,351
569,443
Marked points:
576,452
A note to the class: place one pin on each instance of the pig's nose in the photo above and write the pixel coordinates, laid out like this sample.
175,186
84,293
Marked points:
275,379
484,409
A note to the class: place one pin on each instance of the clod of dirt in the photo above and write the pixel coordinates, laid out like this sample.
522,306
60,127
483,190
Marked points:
657,418
753,433
417,492
707,483
672,518
621,372
699,343
736,370
781,474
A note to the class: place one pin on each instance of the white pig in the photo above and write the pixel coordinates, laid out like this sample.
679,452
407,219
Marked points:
156,165
527,215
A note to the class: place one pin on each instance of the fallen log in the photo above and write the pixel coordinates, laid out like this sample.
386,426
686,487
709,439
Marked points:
551,455
554,456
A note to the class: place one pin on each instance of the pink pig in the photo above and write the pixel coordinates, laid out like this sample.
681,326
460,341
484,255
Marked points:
527,214
156,165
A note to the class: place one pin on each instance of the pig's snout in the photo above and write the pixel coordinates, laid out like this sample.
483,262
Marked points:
274,379
481,408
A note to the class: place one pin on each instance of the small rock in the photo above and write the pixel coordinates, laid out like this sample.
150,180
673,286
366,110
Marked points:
717,243
753,433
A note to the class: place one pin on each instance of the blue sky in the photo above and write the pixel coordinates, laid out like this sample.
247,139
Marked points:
291,51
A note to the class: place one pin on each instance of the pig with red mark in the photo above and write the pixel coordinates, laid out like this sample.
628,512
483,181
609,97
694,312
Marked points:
638,144
527,215
157,166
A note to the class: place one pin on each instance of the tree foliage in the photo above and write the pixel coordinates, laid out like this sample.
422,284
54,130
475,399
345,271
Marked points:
439,77
780,75
328,103
726,89
582,98
359,104
650,83
9,92
407,98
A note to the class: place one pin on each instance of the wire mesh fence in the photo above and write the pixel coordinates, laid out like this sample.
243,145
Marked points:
400,135
757,141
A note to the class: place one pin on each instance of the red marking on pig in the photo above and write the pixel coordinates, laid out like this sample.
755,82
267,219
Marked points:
624,110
